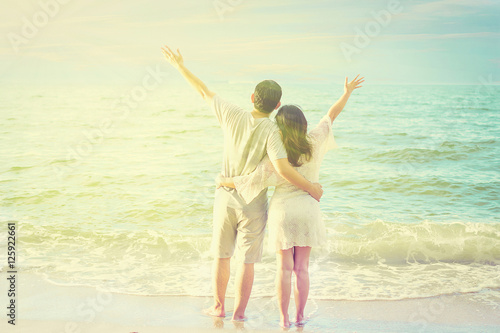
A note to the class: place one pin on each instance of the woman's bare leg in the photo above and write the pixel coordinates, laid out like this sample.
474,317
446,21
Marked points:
284,283
301,270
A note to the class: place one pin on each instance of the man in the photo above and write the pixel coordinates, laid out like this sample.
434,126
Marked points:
248,137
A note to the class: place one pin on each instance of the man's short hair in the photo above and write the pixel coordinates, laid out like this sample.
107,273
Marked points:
267,95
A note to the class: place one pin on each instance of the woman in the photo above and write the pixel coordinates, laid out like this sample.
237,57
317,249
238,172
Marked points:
294,217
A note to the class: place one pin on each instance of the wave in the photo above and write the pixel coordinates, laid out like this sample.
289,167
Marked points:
378,260
425,242
376,242
447,150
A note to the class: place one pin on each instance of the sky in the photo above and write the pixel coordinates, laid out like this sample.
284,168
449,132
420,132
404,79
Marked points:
389,42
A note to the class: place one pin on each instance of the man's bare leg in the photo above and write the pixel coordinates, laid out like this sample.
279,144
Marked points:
244,283
301,270
220,278
284,261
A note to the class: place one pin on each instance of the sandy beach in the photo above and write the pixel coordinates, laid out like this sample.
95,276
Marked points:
117,117
45,307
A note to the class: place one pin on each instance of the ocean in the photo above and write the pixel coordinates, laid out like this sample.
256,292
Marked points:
113,186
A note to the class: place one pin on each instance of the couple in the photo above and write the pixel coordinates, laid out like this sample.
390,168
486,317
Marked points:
259,153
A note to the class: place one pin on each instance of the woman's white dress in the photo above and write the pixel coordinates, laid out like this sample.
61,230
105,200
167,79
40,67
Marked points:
294,217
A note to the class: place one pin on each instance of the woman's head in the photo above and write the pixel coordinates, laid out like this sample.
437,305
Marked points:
293,126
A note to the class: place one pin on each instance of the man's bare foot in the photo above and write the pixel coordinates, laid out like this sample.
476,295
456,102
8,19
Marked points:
239,325
215,311
239,318
218,322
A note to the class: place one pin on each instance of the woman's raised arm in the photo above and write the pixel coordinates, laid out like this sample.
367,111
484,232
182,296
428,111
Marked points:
349,87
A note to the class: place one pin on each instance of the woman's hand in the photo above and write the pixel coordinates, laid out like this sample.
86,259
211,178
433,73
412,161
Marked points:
354,84
219,181
175,60
336,108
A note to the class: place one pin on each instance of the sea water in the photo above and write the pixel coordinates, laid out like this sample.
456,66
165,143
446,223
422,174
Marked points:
113,186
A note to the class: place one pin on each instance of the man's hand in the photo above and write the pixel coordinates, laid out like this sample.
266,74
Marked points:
354,84
286,171
316,191
175,60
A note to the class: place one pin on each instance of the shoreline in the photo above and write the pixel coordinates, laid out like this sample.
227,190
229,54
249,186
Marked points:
46,307
229,296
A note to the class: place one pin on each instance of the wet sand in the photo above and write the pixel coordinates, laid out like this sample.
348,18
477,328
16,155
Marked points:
45,307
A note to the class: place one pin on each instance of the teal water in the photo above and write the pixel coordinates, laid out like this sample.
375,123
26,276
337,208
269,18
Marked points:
120,196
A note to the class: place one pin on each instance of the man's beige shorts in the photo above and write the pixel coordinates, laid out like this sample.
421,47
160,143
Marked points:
237,225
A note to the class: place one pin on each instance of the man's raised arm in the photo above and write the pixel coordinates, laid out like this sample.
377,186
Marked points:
177,62
286,171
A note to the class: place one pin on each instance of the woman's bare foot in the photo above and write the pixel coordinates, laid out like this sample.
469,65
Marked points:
215,311
301,321
285,322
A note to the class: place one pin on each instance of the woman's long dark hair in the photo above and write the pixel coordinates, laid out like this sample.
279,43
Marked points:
293,125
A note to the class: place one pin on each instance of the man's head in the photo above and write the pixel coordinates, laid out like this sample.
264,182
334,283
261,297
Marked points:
266,97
